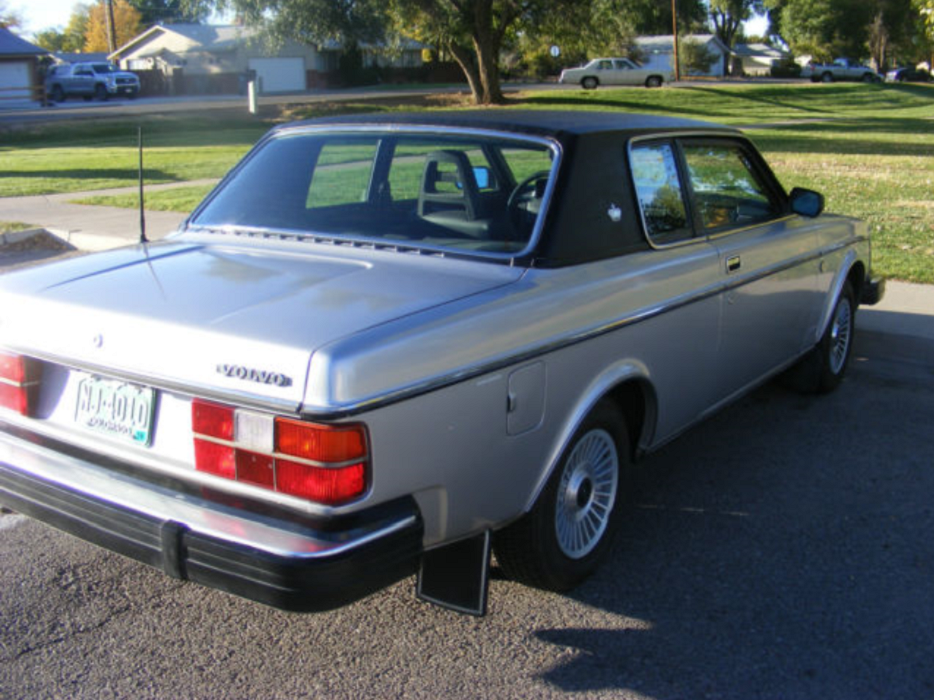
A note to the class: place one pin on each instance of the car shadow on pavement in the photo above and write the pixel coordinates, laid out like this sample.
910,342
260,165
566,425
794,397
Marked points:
781,550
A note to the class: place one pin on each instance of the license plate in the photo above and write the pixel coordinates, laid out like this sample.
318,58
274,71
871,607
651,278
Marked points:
116,408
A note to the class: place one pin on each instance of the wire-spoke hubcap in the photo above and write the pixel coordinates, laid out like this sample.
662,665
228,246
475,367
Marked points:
586,493
840,333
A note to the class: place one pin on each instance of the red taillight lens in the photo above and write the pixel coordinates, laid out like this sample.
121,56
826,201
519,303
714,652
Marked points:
323,484
320,443
214,458
323,463
254,468
19,383
212,419
14,397
12,368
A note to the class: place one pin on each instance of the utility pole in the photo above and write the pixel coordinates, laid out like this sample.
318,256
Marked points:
111,26
674,33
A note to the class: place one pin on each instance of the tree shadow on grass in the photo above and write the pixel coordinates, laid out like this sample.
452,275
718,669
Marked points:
833,137
129,174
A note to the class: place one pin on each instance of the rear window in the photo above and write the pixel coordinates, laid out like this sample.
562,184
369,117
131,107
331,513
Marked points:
465,193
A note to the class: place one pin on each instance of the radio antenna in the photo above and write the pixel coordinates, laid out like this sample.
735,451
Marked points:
142,211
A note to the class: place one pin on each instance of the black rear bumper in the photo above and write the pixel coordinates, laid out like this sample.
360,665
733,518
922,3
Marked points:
298,567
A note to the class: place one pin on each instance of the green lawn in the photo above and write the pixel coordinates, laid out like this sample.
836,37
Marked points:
97,155
868,148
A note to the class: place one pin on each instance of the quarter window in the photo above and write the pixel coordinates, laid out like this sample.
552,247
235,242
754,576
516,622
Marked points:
725,187
659,191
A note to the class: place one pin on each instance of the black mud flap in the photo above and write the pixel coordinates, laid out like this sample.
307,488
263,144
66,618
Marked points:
457,576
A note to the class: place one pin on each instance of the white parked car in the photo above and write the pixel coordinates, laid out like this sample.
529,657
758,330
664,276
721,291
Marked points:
614,71
386,342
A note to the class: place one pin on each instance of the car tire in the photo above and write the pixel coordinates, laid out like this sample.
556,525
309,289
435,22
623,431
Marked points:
653,81
566,534
100,92
823,368
869,78
826,77
57,94
590,83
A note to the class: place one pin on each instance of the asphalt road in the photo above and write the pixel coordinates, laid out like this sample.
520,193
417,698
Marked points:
80,109
781,550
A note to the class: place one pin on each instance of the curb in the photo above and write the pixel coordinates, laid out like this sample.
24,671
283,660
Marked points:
11,237
91,242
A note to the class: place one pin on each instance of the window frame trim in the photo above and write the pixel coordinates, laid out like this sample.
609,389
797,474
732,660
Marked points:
759,168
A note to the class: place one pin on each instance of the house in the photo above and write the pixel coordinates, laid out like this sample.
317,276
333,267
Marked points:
20,80
757,59
89,57
199,59
657,52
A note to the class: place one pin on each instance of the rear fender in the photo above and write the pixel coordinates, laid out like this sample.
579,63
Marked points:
602,386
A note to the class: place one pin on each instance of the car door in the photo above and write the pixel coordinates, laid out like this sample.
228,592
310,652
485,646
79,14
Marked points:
768,259
681,275
627,73
82,80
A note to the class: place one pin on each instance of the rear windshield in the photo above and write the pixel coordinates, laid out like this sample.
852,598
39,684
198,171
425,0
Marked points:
459,192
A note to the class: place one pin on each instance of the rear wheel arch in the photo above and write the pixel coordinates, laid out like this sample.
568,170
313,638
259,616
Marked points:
637,401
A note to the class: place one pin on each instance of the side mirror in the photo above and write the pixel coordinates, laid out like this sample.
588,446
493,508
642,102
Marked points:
806,202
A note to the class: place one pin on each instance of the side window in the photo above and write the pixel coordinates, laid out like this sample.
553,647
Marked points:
341,175
659,191
726,189
526,162
408,164
605,65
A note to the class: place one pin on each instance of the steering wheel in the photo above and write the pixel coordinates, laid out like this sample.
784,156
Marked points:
523,193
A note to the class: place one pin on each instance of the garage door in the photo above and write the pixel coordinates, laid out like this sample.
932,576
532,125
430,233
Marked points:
14,83
280,74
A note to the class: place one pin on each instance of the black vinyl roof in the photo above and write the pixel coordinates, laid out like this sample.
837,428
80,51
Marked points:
593,177
553,123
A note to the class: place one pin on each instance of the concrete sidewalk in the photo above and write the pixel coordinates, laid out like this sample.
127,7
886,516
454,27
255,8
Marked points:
93,228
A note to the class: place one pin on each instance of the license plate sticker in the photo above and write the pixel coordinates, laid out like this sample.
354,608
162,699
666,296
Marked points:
118,409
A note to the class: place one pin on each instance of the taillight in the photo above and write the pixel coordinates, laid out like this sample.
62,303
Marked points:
19,383
323,463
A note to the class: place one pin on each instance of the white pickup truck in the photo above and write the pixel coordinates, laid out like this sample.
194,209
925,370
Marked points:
840,69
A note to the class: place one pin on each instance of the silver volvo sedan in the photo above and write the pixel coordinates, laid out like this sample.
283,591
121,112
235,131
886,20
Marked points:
394,345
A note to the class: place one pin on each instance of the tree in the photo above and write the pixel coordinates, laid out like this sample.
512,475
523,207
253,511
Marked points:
71,40
854,28
126,24
312,21
728,17
9,17
471,32
695,58
171,11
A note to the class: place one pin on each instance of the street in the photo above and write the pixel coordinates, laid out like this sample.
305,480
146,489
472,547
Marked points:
780,550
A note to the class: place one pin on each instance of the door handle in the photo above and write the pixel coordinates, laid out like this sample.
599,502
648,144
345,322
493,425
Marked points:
733,264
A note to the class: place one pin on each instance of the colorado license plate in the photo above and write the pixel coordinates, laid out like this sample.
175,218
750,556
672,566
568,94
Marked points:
116,408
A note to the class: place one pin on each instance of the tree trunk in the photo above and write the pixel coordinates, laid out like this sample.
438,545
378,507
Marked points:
465,60
486,46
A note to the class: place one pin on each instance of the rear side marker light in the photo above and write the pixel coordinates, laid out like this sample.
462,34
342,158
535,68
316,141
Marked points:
323,463
19,383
